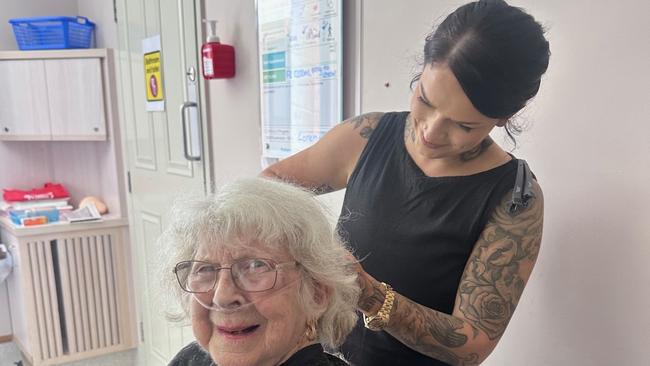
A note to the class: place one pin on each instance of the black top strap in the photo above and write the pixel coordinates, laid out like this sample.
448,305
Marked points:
522,191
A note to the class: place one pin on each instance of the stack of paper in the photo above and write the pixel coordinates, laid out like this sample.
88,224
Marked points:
86,213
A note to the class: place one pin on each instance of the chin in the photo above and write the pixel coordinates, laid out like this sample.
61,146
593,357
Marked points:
234,359
238,355
429,153
231,361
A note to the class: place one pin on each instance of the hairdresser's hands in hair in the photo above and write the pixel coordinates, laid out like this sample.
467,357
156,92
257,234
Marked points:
372,293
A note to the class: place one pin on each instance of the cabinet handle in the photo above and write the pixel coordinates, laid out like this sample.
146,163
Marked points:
6,129
187,143
96,129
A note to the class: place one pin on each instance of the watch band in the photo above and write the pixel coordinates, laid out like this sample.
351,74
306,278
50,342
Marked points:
380,320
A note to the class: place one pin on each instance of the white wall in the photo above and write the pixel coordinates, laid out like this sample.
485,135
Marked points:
10,9
101,13
587,300
234,104
590,146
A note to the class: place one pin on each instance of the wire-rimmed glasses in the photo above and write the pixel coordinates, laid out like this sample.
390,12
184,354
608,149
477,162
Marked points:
250,275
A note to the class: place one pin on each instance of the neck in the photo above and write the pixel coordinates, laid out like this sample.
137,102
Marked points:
487,157
477,151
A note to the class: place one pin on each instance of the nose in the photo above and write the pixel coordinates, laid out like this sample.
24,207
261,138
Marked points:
226,294
434,127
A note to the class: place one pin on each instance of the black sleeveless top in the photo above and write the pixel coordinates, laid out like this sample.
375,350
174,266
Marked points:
415,232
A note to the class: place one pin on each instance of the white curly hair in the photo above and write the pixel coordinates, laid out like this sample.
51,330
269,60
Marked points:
279,215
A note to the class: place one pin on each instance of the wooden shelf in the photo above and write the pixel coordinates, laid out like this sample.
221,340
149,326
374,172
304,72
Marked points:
53,54
107,222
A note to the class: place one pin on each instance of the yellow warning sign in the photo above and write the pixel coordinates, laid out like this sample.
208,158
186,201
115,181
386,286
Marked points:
153,76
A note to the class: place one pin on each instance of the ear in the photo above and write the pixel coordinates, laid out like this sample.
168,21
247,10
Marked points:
322,295
502,122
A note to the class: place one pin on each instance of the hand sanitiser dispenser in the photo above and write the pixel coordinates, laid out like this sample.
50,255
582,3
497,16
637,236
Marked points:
218,58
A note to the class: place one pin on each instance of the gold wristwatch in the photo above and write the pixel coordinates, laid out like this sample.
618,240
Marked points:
380,320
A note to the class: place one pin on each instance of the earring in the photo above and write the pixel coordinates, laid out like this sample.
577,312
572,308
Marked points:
311,333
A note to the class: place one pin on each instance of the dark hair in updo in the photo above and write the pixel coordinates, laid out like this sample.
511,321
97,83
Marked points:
497,53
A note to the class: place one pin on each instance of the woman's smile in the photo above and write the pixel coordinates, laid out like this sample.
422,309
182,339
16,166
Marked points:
238,332
234,327
428,144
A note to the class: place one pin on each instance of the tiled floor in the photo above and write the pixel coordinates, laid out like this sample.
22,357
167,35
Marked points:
10,356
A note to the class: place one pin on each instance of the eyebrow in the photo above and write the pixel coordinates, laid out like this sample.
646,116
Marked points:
427,102
424,97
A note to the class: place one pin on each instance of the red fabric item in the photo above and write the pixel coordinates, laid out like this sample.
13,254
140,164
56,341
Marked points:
48,192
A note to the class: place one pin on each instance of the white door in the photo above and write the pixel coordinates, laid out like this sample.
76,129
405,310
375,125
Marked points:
162,163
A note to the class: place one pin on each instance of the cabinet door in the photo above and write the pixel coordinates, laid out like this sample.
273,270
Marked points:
76,97
23,101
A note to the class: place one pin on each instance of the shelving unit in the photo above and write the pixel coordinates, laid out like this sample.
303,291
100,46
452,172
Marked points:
70,293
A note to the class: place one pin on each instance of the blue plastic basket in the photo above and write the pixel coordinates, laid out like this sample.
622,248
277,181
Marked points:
48,33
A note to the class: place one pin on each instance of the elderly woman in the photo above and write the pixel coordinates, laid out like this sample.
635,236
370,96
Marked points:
263,277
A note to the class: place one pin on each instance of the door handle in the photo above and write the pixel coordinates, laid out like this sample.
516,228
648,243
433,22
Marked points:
187,138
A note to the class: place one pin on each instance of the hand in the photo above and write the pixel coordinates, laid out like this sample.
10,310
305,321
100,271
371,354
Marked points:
372,295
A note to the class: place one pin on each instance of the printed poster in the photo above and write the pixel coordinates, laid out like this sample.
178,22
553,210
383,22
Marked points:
300,45
153,75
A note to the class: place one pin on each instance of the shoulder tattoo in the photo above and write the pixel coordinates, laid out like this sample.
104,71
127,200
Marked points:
322,189
493,280
365,123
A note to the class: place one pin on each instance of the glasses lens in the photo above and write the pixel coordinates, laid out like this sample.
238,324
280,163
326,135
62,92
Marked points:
196,276
254,274
181,270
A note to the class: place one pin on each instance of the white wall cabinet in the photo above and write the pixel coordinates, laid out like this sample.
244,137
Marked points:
24,102
76,100
59,98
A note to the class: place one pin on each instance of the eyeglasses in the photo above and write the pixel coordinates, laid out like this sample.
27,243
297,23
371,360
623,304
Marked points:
250,275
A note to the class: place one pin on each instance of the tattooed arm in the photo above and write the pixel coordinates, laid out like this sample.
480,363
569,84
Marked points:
489,290
326,166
